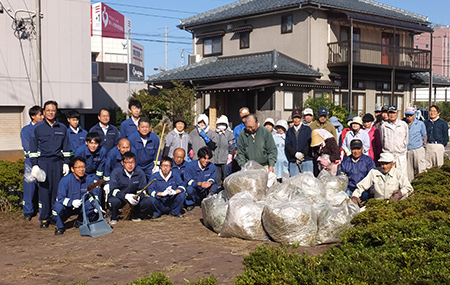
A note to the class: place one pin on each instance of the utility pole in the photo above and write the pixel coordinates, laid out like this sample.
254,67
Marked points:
39,52
165,40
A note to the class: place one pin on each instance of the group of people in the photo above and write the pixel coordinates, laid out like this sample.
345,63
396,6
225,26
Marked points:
191,166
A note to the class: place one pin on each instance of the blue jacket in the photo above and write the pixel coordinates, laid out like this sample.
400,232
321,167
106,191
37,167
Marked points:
127,128
70,188
25,135
298,143
417,130
437,131
195,174
95,161
282,164
180,169
76,139
121,184
49,141
112,137
161,184
113,160
145,154
237,130
356,171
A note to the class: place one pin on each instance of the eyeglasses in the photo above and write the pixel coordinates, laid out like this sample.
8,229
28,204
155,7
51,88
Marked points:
79,167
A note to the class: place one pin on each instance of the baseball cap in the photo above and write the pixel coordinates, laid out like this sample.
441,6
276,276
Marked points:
322,111
378,108
356,144
243,112
392,109
368,118
308,111
410,111
386,157
296,113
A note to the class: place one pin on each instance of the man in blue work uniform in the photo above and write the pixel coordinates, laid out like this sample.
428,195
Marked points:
243,113
129,126
437,137
50,152
29,188
200,176
114,159
94,154
110,134
70,191
167,192
77,136
179,164
125,182
356,167
146,144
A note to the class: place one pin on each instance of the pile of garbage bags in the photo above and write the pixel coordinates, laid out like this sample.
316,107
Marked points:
302,209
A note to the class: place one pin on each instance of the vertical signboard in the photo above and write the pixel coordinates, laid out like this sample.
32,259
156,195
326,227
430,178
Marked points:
108,23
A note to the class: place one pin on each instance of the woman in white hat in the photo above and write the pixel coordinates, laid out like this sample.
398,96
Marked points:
282,164
356,132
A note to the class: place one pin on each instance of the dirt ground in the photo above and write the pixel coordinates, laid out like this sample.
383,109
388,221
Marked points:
181,248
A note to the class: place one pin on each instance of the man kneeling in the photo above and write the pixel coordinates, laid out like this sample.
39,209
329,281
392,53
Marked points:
125,182
71,189
167,192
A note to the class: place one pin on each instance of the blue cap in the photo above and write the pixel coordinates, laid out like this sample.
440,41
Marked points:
322,111
350,117
392,108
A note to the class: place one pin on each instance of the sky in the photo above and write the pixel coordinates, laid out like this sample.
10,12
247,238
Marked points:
149,19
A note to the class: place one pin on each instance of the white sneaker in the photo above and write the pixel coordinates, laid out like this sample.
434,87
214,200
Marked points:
113,222
136,220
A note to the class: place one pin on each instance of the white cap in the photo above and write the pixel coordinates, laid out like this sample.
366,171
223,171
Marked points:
222,120
357,120
308,111
282,123
386,157
270,121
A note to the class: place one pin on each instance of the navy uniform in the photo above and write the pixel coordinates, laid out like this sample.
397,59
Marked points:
110,139
123,183
128,127
113,160
95,161
167,204
145,154
29,188
179,169
76,139
195,174
49,149
70,189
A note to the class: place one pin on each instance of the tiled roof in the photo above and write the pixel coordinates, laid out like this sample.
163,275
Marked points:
266,63
424,78
250,7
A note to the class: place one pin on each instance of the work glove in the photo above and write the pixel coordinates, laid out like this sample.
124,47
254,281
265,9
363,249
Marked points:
299,156
106,189
396,196
205,137
164,193
130,199
38,173
66,169
172,192
347,151
76,203
229,158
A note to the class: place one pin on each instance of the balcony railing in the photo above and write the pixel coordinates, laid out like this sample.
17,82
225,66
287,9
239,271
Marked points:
378,54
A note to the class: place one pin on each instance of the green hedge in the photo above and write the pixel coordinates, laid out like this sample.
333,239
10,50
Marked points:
158,278
407,242
11,184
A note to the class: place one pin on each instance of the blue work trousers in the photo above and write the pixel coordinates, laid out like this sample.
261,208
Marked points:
48,190
145,207
165,205
195,196
61,213
29,190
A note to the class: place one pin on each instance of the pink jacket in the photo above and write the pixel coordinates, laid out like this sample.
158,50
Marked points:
375,143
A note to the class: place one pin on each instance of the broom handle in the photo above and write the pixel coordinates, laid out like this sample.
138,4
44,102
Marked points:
135,197
160,142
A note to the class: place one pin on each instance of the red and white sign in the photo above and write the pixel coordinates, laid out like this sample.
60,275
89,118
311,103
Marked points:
108,23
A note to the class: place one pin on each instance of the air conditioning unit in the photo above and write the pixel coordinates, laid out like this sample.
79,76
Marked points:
193,58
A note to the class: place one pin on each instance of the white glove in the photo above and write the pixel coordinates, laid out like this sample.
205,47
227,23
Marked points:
300,156
76,203
164,193
106,189
66,169
35,171
130,199
347,151
155,169
172,192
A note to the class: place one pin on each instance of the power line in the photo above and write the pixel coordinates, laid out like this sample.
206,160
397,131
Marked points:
149,15
162,41
151,8
145,35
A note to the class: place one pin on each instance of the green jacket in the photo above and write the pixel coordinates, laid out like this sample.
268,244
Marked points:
261,148
327,126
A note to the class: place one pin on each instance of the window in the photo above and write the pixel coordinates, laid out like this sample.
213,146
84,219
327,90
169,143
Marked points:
292,100
286,24
359,104
361,85
212,46
244,40
383,86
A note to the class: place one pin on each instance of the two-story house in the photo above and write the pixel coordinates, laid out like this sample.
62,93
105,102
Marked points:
272,55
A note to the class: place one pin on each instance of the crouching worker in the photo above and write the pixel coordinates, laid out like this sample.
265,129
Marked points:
200,177
167,192
71,189
389,183
125,182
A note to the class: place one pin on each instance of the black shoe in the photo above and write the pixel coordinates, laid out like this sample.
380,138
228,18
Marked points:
27,217
190,208
172,214
77,224
44,224
59,231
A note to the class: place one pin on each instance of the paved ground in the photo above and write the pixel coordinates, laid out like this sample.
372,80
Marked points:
181,248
